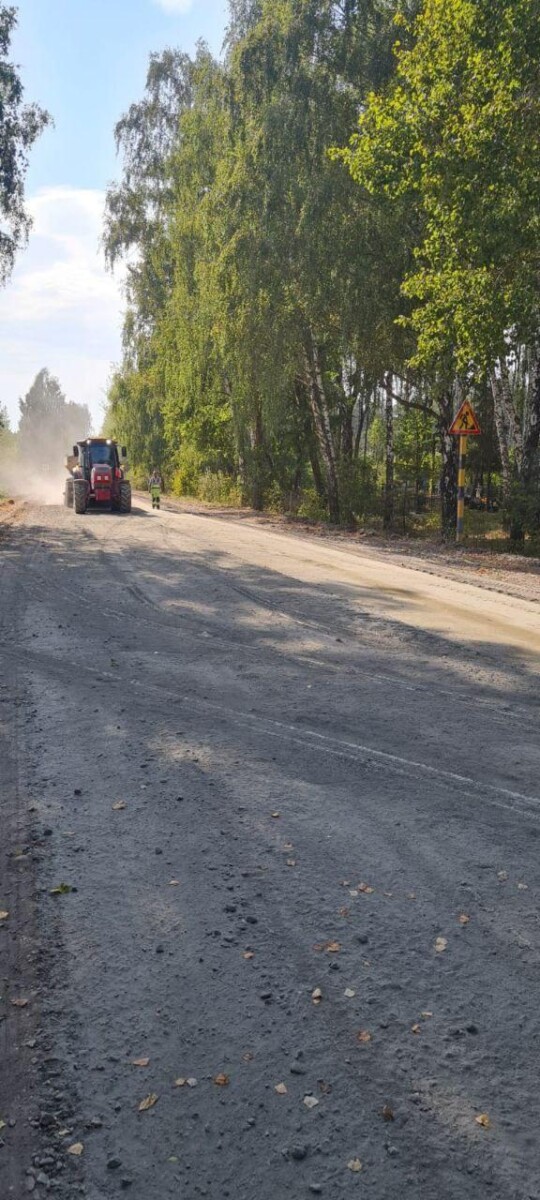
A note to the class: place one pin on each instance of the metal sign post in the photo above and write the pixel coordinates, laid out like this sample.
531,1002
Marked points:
461,489
463,426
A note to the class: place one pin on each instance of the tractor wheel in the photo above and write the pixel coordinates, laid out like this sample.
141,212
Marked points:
125,496
68,493
80,501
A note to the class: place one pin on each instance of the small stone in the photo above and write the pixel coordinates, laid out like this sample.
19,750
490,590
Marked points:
266,996
113,1164
160,949
126,1182
158,851
298,1153
316,1188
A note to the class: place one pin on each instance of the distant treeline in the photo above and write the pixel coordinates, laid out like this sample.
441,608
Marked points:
48,426
332,238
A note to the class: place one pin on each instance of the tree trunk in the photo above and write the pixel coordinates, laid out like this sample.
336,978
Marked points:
513,423
347,434
388,513
257,457
322,428
311,444
363,406
502,436
449,471
531,433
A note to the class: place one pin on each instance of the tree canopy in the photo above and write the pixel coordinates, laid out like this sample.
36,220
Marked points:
331,238
20,126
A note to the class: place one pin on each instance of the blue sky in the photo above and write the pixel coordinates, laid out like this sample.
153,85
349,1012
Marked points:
85,61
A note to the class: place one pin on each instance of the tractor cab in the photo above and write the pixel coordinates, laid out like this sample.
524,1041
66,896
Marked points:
97,470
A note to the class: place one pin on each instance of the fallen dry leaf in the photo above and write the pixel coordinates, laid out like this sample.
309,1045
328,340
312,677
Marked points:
248,1056
426,1014
291,862
174,883
416,1029
349,993
310,1101
316,996
502,875
464,919
354,1164
483,1120
119,806
387,1113
365,889
148,1102
281,1089
344,912
288,846
248,954
2,1124
276,815
222,1080
76,1149
4,916
140,1062
332,947
363,1036
63,889
178,1083
411,895
20,1003
522,887
441,944
353,892
325,1088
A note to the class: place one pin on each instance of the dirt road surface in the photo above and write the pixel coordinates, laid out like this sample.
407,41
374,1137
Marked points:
270,815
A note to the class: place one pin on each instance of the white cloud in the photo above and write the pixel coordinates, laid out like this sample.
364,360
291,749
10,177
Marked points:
61,309
174,6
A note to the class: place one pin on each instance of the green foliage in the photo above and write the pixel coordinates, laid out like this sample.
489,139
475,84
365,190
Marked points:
273,303
456,136
20,126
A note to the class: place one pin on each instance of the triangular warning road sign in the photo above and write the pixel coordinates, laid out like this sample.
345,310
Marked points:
466,421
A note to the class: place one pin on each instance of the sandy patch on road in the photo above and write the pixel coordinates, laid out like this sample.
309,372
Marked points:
512,574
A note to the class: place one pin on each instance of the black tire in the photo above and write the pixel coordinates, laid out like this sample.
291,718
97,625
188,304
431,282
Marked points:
68,493
80,500
125,496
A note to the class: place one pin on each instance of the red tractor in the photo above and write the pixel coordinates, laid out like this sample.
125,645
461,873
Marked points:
97,477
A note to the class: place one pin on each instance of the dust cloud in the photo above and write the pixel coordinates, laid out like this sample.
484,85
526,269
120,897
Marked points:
22,481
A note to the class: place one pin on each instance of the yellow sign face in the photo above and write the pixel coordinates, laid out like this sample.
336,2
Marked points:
466,422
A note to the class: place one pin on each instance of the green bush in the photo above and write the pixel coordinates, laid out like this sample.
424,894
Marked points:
214,487
185,480
312,507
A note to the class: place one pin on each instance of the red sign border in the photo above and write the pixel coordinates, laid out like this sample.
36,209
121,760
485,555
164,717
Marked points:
453,432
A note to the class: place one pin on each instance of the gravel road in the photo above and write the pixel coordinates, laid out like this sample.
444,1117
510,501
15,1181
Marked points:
270,819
